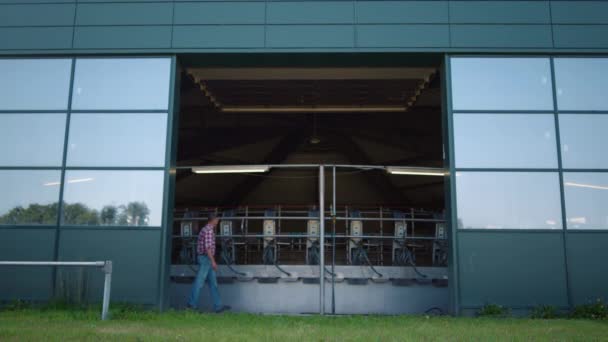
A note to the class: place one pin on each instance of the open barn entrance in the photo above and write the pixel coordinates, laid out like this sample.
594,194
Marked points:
251,140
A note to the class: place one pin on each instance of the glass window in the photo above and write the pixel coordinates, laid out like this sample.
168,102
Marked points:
501,84
510,200
31,139
117,140
505,140
133,83
34,84
29,197
586,200
111,198
584,140
581,83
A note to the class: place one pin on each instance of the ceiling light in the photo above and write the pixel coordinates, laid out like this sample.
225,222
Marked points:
415,171
310,109
231,169
315,140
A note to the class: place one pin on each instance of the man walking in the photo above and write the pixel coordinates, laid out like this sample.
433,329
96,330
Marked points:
207,267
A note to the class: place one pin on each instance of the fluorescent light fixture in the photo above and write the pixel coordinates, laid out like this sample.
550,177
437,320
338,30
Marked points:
415,171
589,186
231,169
310,109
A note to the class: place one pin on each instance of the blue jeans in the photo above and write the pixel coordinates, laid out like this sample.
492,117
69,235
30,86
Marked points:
205,273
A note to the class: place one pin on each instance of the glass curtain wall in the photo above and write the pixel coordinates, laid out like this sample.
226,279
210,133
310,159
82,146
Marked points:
582,107
87,133
526,130
34,96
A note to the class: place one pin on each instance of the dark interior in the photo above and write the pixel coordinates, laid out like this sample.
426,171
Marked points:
243,116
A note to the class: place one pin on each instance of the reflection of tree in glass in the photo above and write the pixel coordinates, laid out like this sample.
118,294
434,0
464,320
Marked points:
33,214
79,213
134,214
108,215
131,214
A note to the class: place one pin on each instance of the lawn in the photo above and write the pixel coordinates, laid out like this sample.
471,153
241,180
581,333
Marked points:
78,325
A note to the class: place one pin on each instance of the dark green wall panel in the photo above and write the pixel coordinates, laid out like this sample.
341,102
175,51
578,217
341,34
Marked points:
579,12
135,255
587,256
511,268
302,12
109,37
35,1
37,15
24,244
84,1
124,14
500,12
35,38
309,36
219,13
219,36
581,36
497,36
402,36
397,12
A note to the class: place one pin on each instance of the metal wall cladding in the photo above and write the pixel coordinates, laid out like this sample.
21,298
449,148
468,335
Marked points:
302,25
26,244
586,252
516,269
135,255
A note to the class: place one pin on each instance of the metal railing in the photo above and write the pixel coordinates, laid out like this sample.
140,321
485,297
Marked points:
106,267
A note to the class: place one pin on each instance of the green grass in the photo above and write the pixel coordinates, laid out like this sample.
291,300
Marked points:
134,325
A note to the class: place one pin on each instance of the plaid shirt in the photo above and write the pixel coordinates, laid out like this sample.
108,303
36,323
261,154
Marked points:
206,240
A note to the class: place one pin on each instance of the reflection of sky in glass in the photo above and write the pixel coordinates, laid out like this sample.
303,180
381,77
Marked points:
31,139
581,83
508,200
25,187
122,83
505,140
584,140
117,140
34,84
96,189
586,200
501,84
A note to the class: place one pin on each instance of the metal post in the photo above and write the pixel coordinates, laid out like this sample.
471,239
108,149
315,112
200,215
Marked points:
107,288
333,242
322,239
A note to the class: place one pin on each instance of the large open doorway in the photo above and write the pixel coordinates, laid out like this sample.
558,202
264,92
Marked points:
385,238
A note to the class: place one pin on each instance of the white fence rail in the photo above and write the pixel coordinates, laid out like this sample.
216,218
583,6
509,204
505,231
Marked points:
106,267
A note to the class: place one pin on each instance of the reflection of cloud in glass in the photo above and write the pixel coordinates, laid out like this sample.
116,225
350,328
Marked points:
586,199
106,193
70,181
590,186
578,220
23,190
